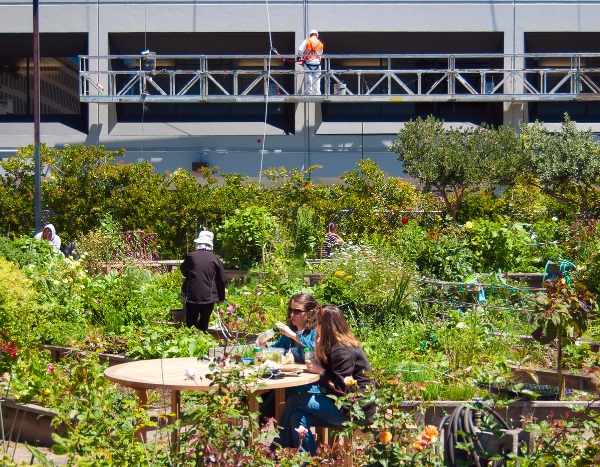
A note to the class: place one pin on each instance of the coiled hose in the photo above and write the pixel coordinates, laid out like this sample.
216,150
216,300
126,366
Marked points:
462,420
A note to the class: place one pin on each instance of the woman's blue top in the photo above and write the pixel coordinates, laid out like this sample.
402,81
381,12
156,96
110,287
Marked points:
307,339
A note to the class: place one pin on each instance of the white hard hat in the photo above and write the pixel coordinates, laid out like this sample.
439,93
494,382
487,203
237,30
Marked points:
314,31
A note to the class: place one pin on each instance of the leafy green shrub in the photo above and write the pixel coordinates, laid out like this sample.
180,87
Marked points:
130,297
306,235
100,419
18,303
482,204
365,275
33,378
245,236
166,342
500,247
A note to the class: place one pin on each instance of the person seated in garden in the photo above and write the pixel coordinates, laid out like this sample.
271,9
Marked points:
331,239
343,368
49,234
298,334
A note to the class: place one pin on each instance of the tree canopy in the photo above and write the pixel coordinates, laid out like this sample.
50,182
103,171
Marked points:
456,161
563,164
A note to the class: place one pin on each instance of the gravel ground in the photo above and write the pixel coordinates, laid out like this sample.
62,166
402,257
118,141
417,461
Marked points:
20,454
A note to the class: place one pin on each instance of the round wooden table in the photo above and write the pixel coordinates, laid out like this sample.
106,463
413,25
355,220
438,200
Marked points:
169,374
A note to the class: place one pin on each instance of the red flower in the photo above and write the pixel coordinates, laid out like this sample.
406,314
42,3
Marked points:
4,332
432,234
404,220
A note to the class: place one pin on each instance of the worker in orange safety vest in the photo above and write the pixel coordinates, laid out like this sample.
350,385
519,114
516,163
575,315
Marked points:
311,50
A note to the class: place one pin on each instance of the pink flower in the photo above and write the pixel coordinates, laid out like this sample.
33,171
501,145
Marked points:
230,309
50,368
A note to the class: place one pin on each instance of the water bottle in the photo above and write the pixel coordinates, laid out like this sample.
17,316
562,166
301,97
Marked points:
308,355
266,336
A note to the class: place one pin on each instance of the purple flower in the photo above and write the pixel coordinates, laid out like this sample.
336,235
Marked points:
50,368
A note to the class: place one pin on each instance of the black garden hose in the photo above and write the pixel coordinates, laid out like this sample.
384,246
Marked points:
462,420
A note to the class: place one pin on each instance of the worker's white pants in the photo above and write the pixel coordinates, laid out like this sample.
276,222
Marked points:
312,81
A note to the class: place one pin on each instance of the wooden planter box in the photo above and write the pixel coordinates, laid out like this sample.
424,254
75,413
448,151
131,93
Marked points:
532,279
312,279
178,315
550,378
237,276
513,414
57,352
29,423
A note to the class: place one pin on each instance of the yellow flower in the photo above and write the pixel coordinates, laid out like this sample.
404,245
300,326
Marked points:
347,278
468,225
339,273
65,281
349,381
447,258
384,436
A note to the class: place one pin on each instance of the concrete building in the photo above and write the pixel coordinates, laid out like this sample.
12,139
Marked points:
239,134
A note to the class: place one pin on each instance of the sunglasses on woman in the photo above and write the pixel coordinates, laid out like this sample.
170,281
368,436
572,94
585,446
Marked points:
295,311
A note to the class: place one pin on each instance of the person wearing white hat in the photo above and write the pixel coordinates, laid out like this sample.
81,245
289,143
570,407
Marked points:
204,282
311,50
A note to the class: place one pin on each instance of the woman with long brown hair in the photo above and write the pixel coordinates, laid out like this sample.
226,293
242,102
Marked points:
300,330
343,367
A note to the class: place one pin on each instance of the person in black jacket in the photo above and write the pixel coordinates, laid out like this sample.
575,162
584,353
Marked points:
343,367
204,282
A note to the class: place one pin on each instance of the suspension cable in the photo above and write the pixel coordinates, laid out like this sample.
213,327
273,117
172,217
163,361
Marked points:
268,85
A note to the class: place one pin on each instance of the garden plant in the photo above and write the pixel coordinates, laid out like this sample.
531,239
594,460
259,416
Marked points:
424,280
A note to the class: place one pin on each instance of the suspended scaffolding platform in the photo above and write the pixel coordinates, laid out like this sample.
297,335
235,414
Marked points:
151,78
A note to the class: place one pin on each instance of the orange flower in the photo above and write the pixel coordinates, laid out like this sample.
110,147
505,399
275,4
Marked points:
419,445
429,433
384,436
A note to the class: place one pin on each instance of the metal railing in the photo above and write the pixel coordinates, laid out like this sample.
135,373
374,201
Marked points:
344,78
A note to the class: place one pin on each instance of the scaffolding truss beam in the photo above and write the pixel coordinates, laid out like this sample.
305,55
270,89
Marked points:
229,79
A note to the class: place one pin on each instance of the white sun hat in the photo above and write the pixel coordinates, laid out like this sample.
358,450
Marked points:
314,31
205,237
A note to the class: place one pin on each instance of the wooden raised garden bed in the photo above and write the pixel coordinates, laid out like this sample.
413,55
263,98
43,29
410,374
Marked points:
57,352
29,423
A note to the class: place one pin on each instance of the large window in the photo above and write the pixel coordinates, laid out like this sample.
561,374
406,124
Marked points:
411,43
59,94
563,42
218,44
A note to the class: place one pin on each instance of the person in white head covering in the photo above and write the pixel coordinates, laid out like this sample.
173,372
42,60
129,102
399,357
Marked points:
204,282
48,233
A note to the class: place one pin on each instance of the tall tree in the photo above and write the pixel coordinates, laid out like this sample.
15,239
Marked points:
457,160
564,164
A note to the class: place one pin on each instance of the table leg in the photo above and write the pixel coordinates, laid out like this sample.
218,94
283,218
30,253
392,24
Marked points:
176,410
279,403
142,396
253,406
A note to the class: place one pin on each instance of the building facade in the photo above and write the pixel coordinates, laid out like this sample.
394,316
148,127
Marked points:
243,136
